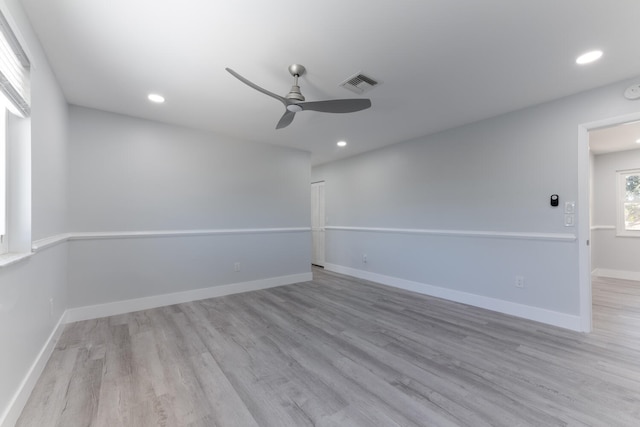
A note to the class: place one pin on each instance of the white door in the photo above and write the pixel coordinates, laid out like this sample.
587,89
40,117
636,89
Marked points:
317,223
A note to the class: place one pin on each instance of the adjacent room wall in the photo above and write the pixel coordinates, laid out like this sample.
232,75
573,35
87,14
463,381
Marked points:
130,177
463,213
33,291
612,255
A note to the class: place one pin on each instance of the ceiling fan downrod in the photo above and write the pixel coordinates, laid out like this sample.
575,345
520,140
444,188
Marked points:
296,71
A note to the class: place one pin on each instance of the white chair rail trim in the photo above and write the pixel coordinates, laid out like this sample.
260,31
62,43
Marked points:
48,242
557,237
602,227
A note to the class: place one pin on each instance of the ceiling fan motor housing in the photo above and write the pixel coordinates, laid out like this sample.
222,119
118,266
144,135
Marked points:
295,93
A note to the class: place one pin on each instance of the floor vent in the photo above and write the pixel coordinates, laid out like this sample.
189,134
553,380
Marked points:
359,83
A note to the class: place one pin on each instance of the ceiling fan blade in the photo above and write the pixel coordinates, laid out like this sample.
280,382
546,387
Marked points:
337,105
286,119
256,87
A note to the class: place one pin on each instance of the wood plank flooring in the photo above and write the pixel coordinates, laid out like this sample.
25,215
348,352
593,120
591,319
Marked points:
338,351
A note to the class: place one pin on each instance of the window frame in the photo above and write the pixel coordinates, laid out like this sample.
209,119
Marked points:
621,182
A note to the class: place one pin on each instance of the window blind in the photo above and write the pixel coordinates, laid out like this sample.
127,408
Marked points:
14,70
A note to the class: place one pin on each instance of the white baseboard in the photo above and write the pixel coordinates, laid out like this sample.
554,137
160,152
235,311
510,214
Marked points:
617,274
16,405
537,314
128,306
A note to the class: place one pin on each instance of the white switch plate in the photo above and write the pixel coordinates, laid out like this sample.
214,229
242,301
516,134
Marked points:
569,207
569,220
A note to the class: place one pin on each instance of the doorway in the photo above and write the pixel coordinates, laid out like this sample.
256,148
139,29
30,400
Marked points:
586,226
317,224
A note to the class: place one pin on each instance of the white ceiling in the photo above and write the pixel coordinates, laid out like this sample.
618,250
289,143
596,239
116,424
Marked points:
617,138
443,62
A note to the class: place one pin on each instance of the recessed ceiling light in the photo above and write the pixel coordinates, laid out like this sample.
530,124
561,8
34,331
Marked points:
154,97
637,141
342,143
589,57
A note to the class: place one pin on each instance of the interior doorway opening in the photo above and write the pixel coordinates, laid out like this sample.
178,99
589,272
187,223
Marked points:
597,199
317,224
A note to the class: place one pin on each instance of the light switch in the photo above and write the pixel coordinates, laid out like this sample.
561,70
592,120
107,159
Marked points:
569,207
569,220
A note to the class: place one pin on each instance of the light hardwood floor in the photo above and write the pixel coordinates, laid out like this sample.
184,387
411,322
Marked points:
339,351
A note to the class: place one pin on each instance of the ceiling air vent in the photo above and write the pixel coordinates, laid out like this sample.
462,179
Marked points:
359,83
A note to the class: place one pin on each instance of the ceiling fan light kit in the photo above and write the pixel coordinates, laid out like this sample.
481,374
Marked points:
294,101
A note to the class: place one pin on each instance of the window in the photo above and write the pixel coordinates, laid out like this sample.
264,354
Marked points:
629,203
15,186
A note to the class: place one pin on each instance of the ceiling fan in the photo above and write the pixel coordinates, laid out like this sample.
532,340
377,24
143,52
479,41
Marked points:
294,101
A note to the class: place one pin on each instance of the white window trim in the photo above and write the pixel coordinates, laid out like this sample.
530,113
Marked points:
621,179
18,189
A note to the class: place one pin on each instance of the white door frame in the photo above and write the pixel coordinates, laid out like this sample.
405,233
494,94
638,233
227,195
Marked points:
318,232
584,218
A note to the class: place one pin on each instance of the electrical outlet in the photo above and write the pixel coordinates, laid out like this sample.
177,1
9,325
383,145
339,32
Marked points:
236,266
519,281
364,258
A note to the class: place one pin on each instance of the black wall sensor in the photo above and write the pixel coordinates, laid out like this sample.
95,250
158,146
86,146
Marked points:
554,200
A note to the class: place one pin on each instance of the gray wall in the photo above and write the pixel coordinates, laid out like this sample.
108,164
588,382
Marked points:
26,288
133,174
129,174
608,251
489,177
